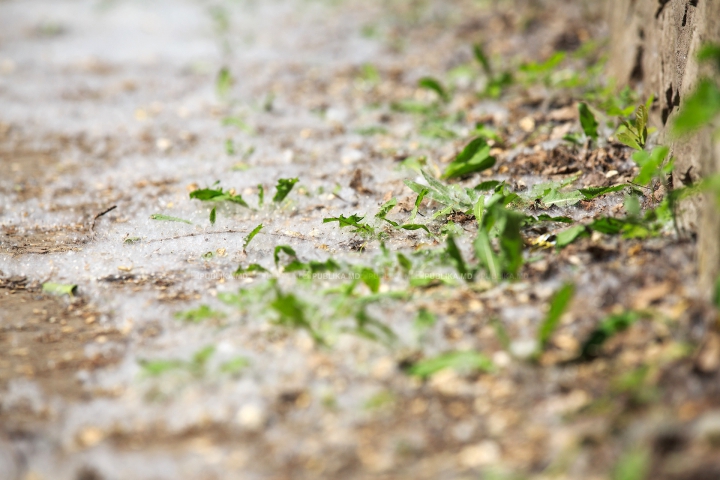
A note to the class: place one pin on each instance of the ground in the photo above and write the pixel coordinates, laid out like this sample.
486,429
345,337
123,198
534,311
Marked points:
173,359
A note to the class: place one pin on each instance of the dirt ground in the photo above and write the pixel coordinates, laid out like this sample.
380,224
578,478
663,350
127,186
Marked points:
162,364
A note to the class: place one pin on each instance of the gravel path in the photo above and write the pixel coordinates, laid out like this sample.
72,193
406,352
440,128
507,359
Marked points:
165,365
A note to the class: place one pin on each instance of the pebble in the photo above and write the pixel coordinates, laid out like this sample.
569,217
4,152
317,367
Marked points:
482,454
251,417
523,348
707,428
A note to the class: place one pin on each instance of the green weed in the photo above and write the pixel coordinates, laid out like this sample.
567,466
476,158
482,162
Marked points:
59,289
196,366
475,157
283,188
434,85
652,165
198,315
588,122
558,305
606,329
168,218
251,269
354,221
218,195
224,83
251,235
634,133
462,361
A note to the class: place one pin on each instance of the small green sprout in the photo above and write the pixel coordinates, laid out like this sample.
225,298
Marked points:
251,235
252,269
454,253
475,157
287,250
591,193
634,133
588,122
196,366
59,289
283,188
652,165
380,401
203,312
606,329
230,147
352,221
168,218
370,278
291,312
235,365
461,361
558,305
434,85
424,321
224,82
217,195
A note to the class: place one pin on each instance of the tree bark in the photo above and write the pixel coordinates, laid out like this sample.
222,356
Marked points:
654,46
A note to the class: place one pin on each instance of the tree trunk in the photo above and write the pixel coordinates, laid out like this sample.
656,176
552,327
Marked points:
654,45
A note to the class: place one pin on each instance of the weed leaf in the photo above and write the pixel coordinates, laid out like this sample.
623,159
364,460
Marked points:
606,329
454,252
588,122
251,235
591,193
566,237
168,218
558,304
462,361
59,289
475,157
283,188
287,250
434,85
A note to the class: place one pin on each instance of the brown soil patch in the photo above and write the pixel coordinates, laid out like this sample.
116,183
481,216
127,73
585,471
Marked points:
43,339
40,241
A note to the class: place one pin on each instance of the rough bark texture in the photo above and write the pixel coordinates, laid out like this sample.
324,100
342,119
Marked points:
654,45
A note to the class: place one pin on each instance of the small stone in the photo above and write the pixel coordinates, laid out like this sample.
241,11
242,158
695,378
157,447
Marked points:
251,417
480,455
501,358
447,382
708,360
418,406
497,425
567,343
383,368
463,431
523,348
90,436
527,124
707,428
